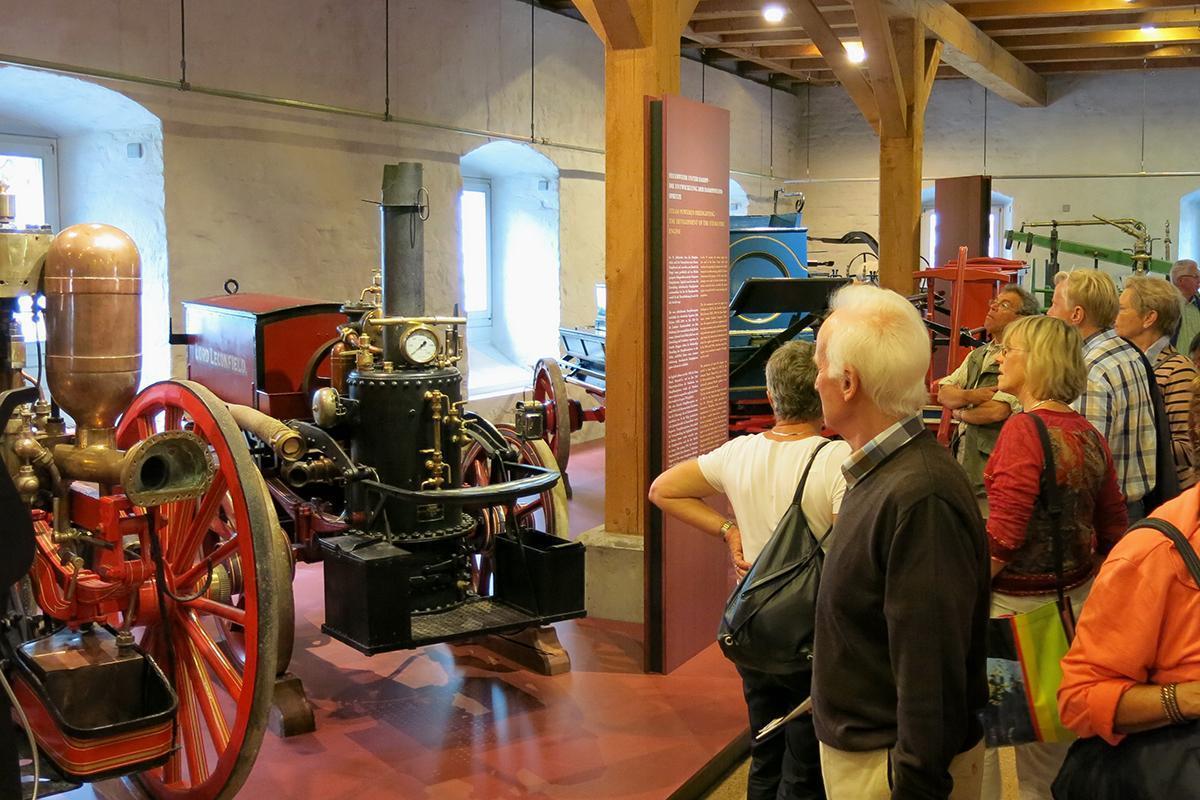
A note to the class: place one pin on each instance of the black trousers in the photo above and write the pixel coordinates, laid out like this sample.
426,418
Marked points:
786,766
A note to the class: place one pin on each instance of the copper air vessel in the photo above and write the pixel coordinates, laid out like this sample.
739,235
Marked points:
93,282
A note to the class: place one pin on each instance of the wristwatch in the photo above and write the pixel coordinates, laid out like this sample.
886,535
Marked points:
725,526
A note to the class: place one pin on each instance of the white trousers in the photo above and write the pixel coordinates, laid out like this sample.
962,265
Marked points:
864,775
1037,763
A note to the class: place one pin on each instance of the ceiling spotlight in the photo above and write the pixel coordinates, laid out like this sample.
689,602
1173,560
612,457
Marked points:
1148,29
773,13
855,52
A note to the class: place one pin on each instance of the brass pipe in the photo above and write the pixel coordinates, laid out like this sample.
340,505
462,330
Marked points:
94,462
288,444
385,321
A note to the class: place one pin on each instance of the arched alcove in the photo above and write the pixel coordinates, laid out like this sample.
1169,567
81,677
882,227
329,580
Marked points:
739,201
109,159
509,224
1189,225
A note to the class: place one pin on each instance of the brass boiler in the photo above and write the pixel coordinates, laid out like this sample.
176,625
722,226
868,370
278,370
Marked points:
93,285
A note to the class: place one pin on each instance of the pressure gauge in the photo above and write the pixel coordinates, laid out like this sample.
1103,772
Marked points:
419,345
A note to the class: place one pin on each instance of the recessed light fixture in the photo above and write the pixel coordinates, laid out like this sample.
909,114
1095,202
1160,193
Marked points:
773,13
1148,29
855,52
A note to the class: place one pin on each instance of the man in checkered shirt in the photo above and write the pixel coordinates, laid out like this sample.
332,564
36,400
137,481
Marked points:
1117,400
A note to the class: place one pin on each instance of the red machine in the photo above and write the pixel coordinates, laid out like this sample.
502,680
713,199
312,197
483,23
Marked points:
143,640
957,298
260,350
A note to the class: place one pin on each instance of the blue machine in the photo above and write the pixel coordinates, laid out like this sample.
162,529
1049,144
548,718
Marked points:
762,246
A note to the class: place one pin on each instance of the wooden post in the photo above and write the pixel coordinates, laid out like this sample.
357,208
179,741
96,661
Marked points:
901,152
641,59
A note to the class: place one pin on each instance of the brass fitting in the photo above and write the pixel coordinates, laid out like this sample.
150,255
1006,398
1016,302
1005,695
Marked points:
286,443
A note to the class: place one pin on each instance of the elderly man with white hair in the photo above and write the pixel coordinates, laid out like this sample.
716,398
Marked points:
1185,275
899,669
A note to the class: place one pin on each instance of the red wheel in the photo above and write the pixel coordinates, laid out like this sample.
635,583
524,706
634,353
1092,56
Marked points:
224,701
477,472
550,389
545,512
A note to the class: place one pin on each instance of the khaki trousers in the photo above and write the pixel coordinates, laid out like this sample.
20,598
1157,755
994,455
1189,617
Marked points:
864,775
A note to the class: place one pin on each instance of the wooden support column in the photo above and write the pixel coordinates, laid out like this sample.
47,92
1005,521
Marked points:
901,152
641,59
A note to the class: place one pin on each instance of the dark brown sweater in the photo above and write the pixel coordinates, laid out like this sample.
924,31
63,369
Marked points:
899,658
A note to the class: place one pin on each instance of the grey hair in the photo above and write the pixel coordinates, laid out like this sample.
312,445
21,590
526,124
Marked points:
791,380
1029,304
1182,264
1153,294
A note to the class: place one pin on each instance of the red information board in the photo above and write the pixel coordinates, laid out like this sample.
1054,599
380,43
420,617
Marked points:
688,574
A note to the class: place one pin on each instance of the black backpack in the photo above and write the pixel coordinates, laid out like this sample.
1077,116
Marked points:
768,621
1166,479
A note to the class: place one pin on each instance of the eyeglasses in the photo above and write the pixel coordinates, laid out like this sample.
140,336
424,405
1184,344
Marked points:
1001,305
1005,350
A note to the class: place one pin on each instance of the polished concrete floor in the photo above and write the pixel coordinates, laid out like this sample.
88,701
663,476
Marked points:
461,723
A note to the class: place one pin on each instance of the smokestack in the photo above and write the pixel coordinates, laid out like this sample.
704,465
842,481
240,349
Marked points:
403,250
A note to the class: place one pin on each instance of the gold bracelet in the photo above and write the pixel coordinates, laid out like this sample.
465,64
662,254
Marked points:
1170,703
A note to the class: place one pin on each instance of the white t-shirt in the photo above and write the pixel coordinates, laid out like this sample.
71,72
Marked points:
760,475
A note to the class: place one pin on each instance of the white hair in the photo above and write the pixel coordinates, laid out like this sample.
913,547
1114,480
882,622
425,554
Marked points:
881,335
1181,266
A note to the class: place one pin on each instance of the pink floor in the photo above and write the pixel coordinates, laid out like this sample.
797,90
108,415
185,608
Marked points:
462,724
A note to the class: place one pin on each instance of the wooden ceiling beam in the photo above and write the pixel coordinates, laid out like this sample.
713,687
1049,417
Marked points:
719,9
1090,22
620,25
882,67
1139,54
851,78
979,57
1002,9
1115,66
720,51
1119,38
794,40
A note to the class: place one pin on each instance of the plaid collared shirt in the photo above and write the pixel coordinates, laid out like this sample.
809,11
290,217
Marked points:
871,455
1117,402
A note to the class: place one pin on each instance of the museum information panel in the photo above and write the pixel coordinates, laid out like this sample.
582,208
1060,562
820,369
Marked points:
689,574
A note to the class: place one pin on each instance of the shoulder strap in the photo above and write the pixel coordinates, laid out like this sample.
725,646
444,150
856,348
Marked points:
1190,559
804,477
1049,495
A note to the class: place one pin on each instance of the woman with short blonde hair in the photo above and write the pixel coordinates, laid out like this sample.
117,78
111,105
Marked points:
1041,362
1149,313
1054,366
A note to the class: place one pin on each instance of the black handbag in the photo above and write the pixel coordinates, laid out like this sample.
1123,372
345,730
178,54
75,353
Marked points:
768,621
1161,764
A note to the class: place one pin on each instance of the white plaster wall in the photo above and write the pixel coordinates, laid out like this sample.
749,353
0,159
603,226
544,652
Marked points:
100,182
273,196
1093,125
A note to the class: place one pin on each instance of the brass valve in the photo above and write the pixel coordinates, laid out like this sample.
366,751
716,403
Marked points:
457,420
439,470
366,359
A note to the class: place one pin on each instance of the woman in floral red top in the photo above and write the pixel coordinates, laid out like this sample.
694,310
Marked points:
1041,362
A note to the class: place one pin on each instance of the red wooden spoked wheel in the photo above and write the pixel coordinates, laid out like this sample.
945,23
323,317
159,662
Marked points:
489,522
545,512
550,389
223,703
